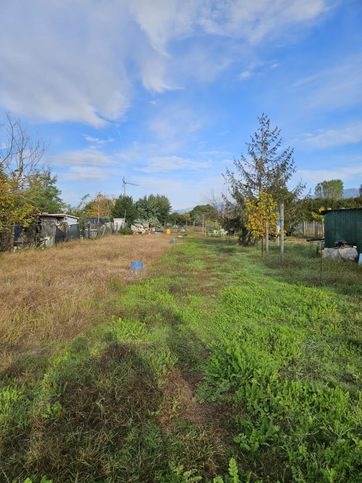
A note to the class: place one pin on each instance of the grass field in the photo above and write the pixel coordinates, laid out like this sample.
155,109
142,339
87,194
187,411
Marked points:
218,365
49,297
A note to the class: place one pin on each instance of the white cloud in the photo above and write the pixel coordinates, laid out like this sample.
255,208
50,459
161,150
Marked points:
80,61
174,124
345,173
245,74
333,87
155,158
84,173
257,68
161,164
94,141
255,20
81,157
328,138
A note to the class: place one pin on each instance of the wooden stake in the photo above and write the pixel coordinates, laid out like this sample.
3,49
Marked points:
267,238
282,230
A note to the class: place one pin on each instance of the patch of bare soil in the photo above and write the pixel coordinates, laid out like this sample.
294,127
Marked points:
179,405
179,402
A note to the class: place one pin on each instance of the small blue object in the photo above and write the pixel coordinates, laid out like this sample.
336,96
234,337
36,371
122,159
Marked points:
360,260
173,240
136,266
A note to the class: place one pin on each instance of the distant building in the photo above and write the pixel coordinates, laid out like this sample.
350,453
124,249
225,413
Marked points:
46,230
57,227
98,220
119,223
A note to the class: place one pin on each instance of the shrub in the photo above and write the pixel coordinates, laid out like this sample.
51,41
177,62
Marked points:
125,231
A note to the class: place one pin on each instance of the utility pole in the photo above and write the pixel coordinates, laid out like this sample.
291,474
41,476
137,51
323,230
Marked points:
282,230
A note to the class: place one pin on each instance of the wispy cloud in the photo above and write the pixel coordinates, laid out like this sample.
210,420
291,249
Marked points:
174,123
84,173
334,87
81,157
95,142
345,173
162,164
255,21
153,158
258,68
245,74
329,138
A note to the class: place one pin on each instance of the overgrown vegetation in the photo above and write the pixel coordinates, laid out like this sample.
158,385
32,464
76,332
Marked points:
26,186
218,366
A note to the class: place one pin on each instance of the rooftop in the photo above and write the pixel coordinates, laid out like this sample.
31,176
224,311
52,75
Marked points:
57,215
340,209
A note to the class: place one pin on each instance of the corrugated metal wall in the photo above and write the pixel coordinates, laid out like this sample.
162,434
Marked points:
343,225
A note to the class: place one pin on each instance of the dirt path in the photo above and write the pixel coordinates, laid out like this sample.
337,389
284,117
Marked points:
48,297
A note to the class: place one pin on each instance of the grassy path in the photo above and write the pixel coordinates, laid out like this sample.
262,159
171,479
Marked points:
215,355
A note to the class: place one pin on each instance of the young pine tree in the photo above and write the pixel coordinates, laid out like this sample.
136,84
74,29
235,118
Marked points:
267,167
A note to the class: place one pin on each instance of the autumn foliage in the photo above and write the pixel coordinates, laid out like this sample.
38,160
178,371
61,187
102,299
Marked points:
260,211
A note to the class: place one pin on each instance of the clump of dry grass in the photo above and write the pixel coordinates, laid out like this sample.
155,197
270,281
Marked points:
48,297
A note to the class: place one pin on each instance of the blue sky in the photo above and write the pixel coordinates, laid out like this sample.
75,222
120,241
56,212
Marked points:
167,92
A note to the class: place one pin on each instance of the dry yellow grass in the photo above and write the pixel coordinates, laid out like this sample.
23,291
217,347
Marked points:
48,297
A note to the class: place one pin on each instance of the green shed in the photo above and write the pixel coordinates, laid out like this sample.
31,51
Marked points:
343,224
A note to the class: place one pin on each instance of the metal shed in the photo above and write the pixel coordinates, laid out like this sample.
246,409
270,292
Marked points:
343,224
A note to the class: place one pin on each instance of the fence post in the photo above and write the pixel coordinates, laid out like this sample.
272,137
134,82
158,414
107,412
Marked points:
12,238
282,230
267,238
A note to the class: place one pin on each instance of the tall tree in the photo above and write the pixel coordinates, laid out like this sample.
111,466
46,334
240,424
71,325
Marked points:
179,218
124,207
13,208
267,167
42,192
100,206
202,213
332,189
154,207
20,156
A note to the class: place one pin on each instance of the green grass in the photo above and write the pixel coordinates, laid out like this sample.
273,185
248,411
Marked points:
220,366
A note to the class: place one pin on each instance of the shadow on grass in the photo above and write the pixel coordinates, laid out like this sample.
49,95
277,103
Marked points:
189,350
97,426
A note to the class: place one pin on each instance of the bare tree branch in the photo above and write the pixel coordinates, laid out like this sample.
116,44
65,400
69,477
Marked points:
20,154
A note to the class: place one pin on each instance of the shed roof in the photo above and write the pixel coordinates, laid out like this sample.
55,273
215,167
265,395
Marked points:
340,209
57,215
